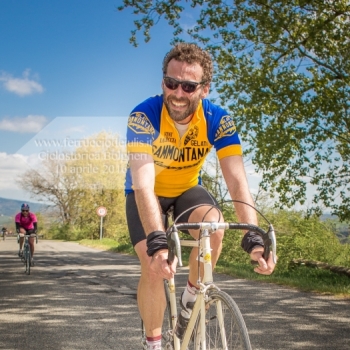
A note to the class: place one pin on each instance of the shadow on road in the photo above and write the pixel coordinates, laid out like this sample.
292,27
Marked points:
82,298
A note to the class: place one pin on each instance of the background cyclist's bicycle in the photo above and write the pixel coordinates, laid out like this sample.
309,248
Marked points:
26,256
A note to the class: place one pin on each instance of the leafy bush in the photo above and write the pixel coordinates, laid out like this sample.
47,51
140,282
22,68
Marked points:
298,237
307,238
58,231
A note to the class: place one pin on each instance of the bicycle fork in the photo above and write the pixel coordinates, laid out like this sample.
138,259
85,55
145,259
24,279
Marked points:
199,308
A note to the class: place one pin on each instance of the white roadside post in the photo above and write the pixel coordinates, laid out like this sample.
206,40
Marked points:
101,212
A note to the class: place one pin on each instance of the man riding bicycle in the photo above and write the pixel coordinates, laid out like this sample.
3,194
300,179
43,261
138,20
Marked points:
26,223
168,139
4,231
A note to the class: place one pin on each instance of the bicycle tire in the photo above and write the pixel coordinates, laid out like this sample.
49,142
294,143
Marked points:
234,327
143,336
167,338
167,328
28,260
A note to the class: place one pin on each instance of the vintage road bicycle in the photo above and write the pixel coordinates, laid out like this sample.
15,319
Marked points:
216,321
27,256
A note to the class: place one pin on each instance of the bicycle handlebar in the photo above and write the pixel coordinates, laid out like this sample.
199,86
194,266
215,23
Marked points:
31,235
174,245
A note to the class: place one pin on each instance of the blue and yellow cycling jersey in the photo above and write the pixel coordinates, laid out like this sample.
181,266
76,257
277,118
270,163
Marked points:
178,161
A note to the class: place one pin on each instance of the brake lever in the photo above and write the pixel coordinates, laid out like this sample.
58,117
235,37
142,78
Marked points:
273,241
174,246
269,245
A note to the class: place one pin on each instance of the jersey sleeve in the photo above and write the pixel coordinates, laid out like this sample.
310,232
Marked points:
143,125
33,217
222,132
226,139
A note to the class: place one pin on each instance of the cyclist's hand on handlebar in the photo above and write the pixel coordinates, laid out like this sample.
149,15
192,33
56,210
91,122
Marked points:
159,264
264,267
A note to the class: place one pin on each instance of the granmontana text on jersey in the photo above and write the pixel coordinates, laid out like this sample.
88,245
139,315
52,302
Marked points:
185,154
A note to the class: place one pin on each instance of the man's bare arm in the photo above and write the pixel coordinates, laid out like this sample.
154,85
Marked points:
237,184
143,179
236,180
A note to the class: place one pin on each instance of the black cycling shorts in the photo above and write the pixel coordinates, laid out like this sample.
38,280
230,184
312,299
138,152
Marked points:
28,231
192,197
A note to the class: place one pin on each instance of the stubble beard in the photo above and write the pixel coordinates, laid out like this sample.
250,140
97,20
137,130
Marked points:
178,116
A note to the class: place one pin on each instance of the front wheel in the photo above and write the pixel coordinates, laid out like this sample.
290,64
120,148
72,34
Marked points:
167,334
224,324
28,261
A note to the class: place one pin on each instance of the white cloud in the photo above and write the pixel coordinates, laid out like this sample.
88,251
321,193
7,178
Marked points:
76,129
29,124
21,86
11,166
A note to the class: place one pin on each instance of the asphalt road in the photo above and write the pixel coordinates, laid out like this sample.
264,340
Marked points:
82,298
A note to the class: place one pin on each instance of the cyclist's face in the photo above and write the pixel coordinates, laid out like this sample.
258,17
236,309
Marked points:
180,104
25,212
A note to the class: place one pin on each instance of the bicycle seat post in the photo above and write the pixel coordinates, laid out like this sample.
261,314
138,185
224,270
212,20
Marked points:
169,217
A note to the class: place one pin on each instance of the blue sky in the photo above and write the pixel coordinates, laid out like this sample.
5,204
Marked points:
72,58
66,66
67,70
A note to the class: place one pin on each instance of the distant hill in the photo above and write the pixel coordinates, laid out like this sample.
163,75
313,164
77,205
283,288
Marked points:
328,217
342,229
10,207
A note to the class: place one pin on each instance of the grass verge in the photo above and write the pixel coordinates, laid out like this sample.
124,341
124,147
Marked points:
108,244
302,278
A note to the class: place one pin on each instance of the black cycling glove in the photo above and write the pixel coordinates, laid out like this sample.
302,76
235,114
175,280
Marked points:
156,241
250,241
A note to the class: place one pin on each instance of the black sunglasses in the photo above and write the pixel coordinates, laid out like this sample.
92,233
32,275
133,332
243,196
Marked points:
187,86
25,211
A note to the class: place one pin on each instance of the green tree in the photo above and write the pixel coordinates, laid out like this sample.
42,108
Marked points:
99,167
213,180
51,184
80,181
282,68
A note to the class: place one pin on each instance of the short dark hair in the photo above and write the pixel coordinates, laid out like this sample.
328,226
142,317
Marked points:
190,53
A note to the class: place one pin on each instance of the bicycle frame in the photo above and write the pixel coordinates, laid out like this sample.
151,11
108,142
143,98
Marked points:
205,282
26,247
204,251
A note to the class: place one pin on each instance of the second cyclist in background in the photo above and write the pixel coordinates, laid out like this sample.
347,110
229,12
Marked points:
4,232
26,223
